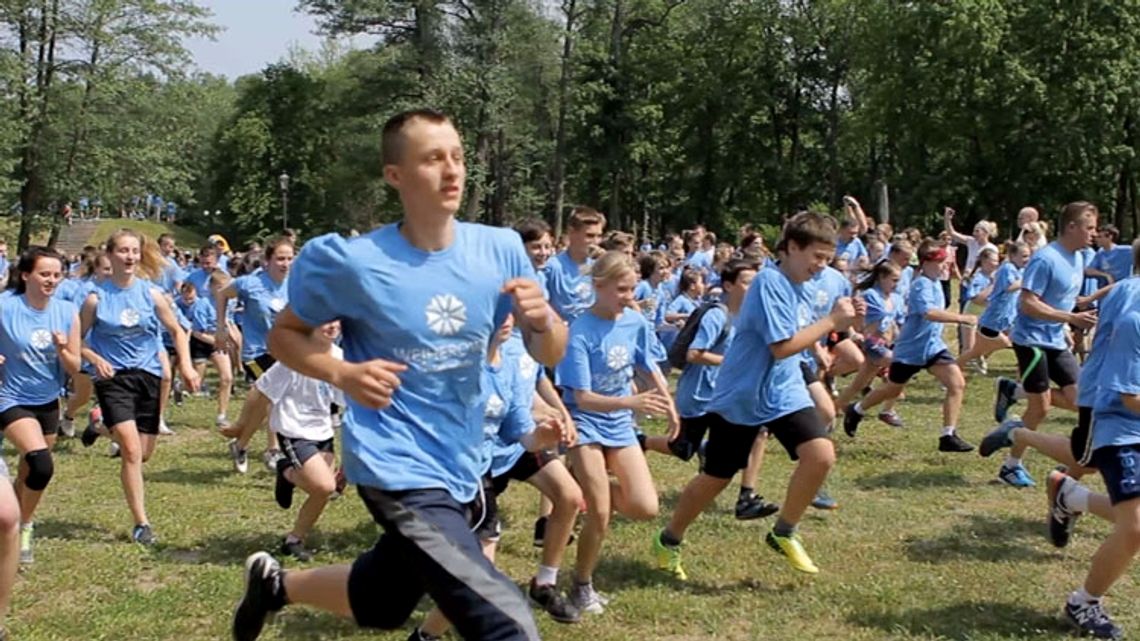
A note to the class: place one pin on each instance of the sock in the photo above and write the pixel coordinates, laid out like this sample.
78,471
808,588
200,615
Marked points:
746,492
546,575
948,430
858,408
1076,497
1019,393
1012,461
1082,597
783,528
669,540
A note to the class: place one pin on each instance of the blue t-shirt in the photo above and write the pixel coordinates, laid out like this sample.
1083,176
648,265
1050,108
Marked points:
1124,297
1002,308
682,305
600,358
753,387
644,291
171,277
852,250
1055,275
978,283
906,277
920,339
879,319
183,322
262,299
1116,262
33,374
699,260
202,316
1113,423
570,285
1088,284
697,382
514,349
125,332
434,312
200,278
506,416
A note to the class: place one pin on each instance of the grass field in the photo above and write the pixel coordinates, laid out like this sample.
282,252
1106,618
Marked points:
186,239
925,546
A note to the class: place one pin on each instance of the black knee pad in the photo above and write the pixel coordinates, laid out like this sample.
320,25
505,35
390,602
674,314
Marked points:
40,469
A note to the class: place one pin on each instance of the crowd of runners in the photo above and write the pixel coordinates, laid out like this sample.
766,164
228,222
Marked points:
456,358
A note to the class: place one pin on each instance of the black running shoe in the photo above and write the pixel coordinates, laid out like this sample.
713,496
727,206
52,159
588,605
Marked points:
1004,397
539,531
295,549
283,490
953,443
754,507
89,435
851,420
556,605
263,595
143,535
1091,620
1062,520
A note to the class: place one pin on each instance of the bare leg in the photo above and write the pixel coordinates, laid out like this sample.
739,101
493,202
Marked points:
130,472
590,467
317,480
1114,556
817,457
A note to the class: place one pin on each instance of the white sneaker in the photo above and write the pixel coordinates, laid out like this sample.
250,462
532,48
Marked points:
164,429
586,599
270,458
113,450
221,422
240,457
67,427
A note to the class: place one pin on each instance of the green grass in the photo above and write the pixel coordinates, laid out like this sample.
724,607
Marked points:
925,546
186,238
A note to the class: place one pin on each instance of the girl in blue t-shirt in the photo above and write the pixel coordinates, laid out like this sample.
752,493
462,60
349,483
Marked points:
884,317
203,348
96,268
262,294
39,346
607,343
123,314
976,291
995,321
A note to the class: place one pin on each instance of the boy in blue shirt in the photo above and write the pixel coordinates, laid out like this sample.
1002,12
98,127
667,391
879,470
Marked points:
920,346
760,387
567,274
418,303
1112,262
1047,301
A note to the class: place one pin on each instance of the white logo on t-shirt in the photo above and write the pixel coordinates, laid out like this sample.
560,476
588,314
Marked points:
617,358
820,298
129,317
446,315
582,291
805,315
40,339
528,367
495,406
276,304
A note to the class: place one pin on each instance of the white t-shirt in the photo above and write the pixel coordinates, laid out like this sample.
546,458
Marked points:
973,248
300,404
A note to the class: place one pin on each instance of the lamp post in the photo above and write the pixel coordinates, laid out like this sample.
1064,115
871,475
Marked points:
283,180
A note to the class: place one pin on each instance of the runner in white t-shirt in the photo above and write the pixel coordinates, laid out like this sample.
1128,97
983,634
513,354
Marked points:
301,415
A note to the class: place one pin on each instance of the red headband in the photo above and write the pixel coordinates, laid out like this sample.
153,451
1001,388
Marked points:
938,255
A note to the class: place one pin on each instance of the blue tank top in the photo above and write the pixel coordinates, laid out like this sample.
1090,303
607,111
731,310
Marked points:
33,374
125,332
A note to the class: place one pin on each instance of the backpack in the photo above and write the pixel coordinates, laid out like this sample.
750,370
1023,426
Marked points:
679,350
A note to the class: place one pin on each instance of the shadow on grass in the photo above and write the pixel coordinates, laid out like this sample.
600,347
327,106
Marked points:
233,547
981,537
74,531
190,477
912,479
623,572
963,621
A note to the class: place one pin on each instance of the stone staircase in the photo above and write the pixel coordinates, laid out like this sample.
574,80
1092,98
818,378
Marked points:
73,237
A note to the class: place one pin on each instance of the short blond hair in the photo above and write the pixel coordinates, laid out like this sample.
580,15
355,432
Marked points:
612,265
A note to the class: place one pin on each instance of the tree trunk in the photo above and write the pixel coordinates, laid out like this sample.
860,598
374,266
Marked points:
32,187
558,171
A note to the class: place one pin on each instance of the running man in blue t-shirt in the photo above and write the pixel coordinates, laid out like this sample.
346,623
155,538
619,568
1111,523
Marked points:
418,303
1112,262
1047,304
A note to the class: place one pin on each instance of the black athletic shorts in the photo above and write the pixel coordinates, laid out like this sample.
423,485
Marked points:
299,450
693,431
255,368
1080,441
1039,365
130,395
808,373
47,415
428,546
200,350
1119,466
729,444
901,373
987,332
485,521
